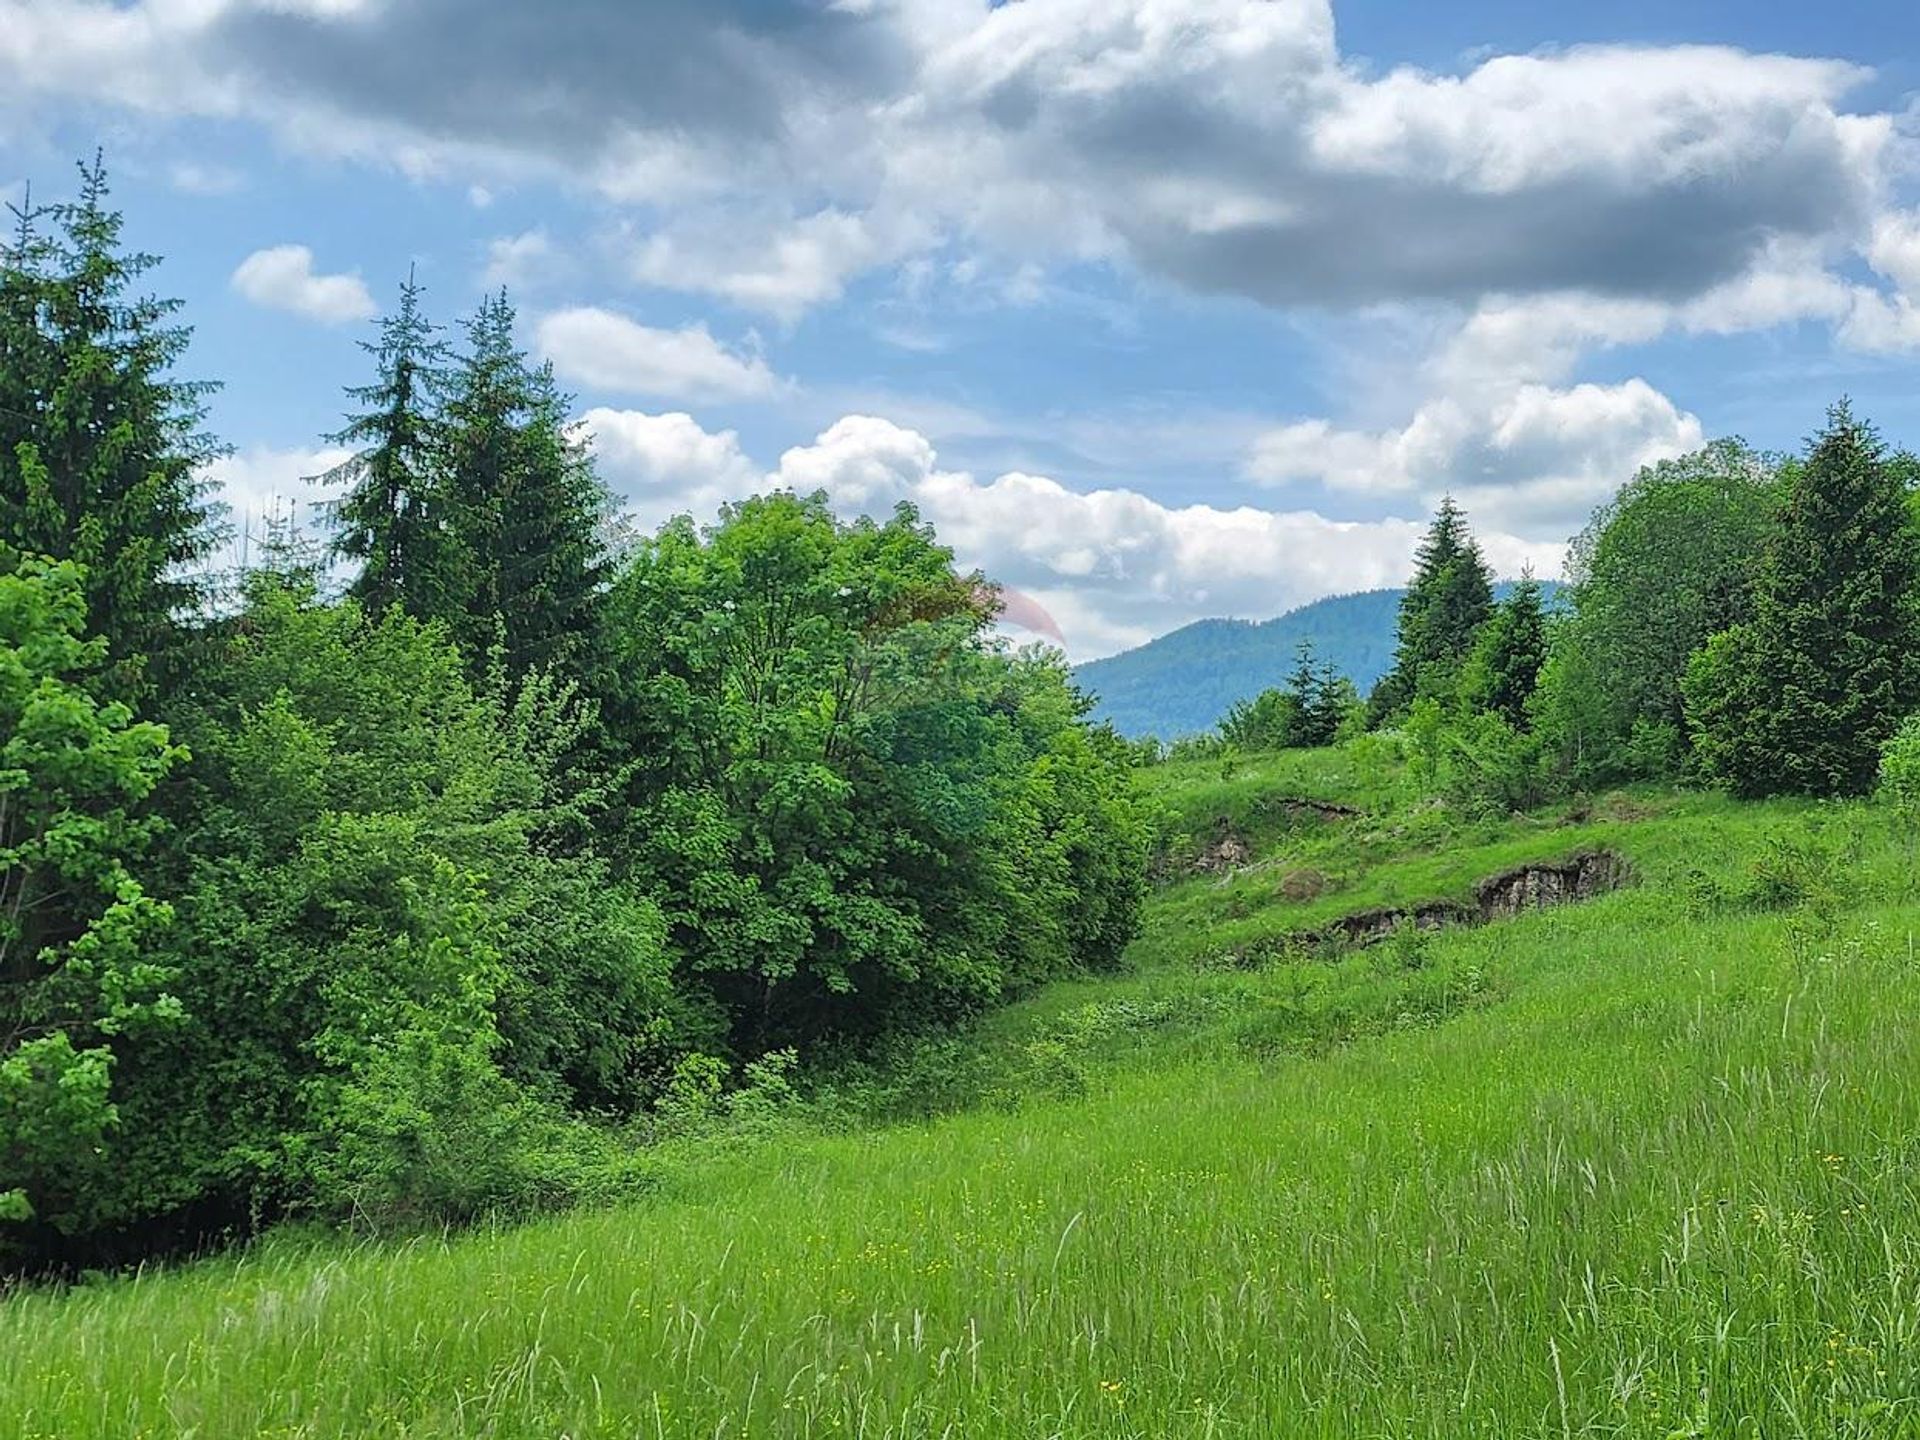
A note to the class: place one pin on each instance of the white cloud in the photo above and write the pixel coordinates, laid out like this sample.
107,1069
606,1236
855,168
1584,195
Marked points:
864,463
262,484
1879,320
595,347
781,267
283,278
1114,567
666,465
1895,249
192,177
1531,458
521,262
1882,323
1223,144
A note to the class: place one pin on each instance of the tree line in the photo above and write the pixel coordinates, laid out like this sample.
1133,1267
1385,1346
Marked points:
426,868
1731,617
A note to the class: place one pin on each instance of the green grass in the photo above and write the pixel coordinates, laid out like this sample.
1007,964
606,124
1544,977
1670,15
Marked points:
1644,1167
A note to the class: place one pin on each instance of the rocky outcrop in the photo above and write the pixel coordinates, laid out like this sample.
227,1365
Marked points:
1538,886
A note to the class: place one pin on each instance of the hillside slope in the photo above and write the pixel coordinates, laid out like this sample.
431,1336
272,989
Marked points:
1642,1166
1183,682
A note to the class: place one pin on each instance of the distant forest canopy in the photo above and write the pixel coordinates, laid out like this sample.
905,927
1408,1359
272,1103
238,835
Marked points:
1184,682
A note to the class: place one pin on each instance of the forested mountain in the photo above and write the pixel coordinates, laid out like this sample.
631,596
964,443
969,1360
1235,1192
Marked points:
1183,682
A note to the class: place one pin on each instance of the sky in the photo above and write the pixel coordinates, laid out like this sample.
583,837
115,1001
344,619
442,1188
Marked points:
1158,310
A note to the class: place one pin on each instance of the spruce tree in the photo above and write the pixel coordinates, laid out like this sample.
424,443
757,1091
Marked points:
525,506
1800,699
1504,669
1448,599
390,519
101,446
1320,696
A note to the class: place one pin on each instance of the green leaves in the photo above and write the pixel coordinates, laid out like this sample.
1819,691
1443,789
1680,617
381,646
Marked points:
1801,699
1448,599
81,955
101,448
854,807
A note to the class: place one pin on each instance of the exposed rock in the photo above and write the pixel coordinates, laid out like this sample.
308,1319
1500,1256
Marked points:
1228,852
1537,887
1298,885
1499,897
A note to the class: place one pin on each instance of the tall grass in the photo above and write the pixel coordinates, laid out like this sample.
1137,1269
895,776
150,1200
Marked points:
1658,1179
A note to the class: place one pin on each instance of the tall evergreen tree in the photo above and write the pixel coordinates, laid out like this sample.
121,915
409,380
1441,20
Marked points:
101,447
1504,669
1448,599
390,518
526,508
1801,698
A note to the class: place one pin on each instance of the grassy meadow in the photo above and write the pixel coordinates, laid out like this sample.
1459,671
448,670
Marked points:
1645,1166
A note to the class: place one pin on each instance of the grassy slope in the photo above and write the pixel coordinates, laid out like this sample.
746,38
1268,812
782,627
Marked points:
1643,1167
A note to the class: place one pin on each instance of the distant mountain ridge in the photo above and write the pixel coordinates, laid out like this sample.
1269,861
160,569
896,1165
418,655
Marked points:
1183,682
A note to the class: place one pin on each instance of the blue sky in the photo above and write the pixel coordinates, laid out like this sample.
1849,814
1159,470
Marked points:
1159,309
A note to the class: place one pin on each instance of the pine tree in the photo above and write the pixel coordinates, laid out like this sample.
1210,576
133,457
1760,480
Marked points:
1801,698
525,505
101,447
1301,685
1504,669
1320,697
390,519
1447,601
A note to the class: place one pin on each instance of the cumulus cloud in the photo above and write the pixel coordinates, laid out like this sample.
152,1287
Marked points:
1114,567
1227,145
522,262
784,269
1531,209
605,350
263,486
1889,319
667,465
283,278
1535,459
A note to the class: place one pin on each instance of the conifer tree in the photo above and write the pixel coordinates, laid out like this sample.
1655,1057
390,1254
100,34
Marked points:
1800,699
101,447
390,518
1447,601
525,505
1320,697
1504,669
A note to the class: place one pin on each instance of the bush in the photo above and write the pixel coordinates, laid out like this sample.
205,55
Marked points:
1477,763
1899,775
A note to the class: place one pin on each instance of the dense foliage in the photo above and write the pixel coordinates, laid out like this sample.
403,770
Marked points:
1316,703
1448,599
861,813
1800,698
437,872
100,444
1661,568
1740,619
